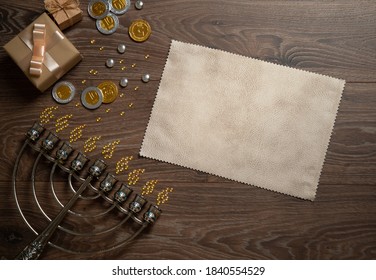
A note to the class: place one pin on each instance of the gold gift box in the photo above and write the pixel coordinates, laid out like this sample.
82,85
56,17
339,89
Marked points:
60,54
65,12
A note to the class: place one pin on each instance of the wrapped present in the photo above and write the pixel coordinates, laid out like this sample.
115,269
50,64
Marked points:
42,52
65,12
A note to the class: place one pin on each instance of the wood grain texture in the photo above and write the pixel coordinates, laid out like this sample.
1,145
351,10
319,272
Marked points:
207,217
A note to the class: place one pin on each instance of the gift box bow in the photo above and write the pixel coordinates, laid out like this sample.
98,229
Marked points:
39,42
58,6
55,6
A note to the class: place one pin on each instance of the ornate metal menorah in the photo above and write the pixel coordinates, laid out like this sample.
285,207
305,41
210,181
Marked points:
139,212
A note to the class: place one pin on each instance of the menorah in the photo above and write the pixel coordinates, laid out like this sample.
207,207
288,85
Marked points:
132,209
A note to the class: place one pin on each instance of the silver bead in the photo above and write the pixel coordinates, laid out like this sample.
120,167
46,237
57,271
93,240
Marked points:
121,48
123,82
110,63
139,5
145,78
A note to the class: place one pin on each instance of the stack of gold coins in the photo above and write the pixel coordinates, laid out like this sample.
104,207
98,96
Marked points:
93,97
106,12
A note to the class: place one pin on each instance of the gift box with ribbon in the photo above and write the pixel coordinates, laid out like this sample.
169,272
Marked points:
42,52
65,12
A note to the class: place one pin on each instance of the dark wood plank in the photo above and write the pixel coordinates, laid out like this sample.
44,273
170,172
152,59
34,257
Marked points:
207,217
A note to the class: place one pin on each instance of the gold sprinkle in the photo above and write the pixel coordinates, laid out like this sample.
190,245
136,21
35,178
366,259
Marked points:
134,176
136,88
134,65
91,71
147,56
90,144
99,119
123,68
101,48
95,72
121,61
130,105
108,110
121,94
92,41
47,114
122,113
122,164
78,104
148,188
76,133
109,149
62,123
83,81
162,196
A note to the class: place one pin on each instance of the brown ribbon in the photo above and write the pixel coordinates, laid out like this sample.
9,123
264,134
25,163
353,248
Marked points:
54,6
39,48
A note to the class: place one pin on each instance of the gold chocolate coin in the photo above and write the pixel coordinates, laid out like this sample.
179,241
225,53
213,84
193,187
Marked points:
63,92
139,30
119,7
98,9
91,98
109,91
108,25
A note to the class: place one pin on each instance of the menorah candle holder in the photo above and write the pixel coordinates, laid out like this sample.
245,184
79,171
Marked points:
131,207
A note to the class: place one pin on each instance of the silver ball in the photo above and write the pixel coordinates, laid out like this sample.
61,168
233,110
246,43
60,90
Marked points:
145,78
123,82
139,5
110,63
121,48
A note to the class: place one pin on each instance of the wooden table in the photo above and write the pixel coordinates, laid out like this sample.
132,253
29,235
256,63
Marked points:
207,217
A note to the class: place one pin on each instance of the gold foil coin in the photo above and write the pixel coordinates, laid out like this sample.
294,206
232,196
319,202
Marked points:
98,9
119,7
91,98
108,24
63,92
109,91
139,30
